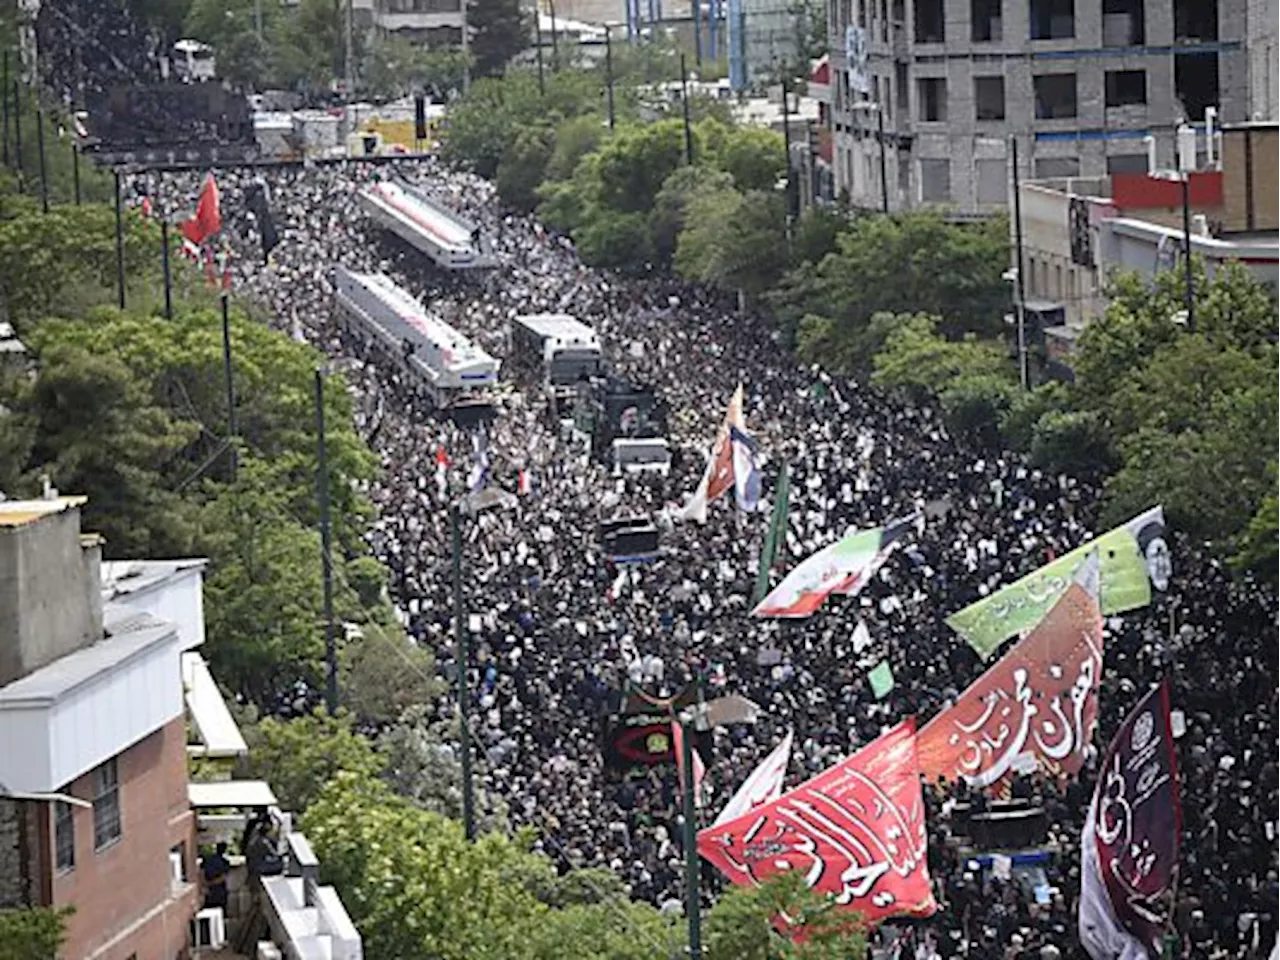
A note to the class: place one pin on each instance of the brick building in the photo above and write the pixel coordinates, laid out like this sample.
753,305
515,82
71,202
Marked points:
94,810
1080,83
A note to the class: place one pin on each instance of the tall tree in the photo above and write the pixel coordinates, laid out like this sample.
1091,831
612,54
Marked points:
499,30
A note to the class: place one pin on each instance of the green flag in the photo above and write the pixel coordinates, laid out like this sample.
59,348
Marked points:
1133,558
775,536
881,677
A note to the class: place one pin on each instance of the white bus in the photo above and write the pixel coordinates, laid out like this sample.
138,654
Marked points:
450,368
561,349
193,61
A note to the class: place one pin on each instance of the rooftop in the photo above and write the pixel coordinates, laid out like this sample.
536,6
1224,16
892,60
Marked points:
126,639
19,513
122,578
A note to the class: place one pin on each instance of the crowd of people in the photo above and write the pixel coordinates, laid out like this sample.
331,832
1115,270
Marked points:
558,629
86,47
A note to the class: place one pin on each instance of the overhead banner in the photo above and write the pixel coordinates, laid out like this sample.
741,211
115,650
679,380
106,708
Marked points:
1133,558
1036,707
855,832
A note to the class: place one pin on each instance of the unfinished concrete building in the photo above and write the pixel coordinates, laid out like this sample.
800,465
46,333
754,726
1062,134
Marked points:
1080,83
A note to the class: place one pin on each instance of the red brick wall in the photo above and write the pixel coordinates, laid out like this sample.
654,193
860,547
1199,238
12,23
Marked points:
124,900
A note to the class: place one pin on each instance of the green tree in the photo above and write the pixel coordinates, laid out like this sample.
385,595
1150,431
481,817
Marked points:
815,233
384,674
423,766
740,926
916,357
1257,550
910,263
670,213
308,45
394,67
230,27
754,157
299,757
734,240
636,161
94,429
499,30
413,885
33,933
1071,441
523,167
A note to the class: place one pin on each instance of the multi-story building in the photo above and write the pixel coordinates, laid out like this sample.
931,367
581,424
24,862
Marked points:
94,811
433,23
1079,83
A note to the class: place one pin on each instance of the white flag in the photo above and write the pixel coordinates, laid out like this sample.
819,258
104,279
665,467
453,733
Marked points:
763,786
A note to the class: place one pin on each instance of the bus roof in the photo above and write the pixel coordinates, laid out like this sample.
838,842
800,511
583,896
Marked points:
560,327
428,329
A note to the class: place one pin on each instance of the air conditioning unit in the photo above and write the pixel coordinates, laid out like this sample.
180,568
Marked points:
209,928
267,951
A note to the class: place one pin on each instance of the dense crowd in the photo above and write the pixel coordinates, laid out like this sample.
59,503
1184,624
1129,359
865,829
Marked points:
559,629
88,46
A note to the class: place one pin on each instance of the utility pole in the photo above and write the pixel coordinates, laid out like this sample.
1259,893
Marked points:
164,265
466,48
684,102
693,902
75,166
348,39
608,71
4,95
1020,278
17,128
696,10
44,179
1186,250
257,19
555,38
464,666
537,31
232,431
326,556
786,139
119,243
884,167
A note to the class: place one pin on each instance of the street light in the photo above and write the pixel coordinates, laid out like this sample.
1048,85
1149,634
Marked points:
869,105
1184,177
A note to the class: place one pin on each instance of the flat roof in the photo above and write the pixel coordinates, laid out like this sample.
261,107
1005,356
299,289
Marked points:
128,638
121,578
231,793
19,513
217,729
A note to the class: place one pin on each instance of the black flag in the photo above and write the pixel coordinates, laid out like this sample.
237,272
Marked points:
257,200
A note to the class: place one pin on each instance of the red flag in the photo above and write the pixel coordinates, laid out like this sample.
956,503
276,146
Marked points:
699,769
208,218
1129,845
146,207
442,455
1036,706
855,831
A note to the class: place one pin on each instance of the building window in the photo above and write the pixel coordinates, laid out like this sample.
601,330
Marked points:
993,180
1195,82
988,98
1052,19
64,835
1055,96
106,804
932,93
1195,20
935,181
1127,163
900,84
930,22
985,21
1123,23
1126,87
1049,167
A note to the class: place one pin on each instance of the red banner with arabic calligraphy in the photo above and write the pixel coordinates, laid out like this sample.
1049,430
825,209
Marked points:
1129,853
1037,706
856,832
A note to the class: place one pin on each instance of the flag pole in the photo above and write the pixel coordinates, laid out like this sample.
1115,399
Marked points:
44,178
230,382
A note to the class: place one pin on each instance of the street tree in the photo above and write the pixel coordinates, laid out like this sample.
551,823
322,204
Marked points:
500,29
